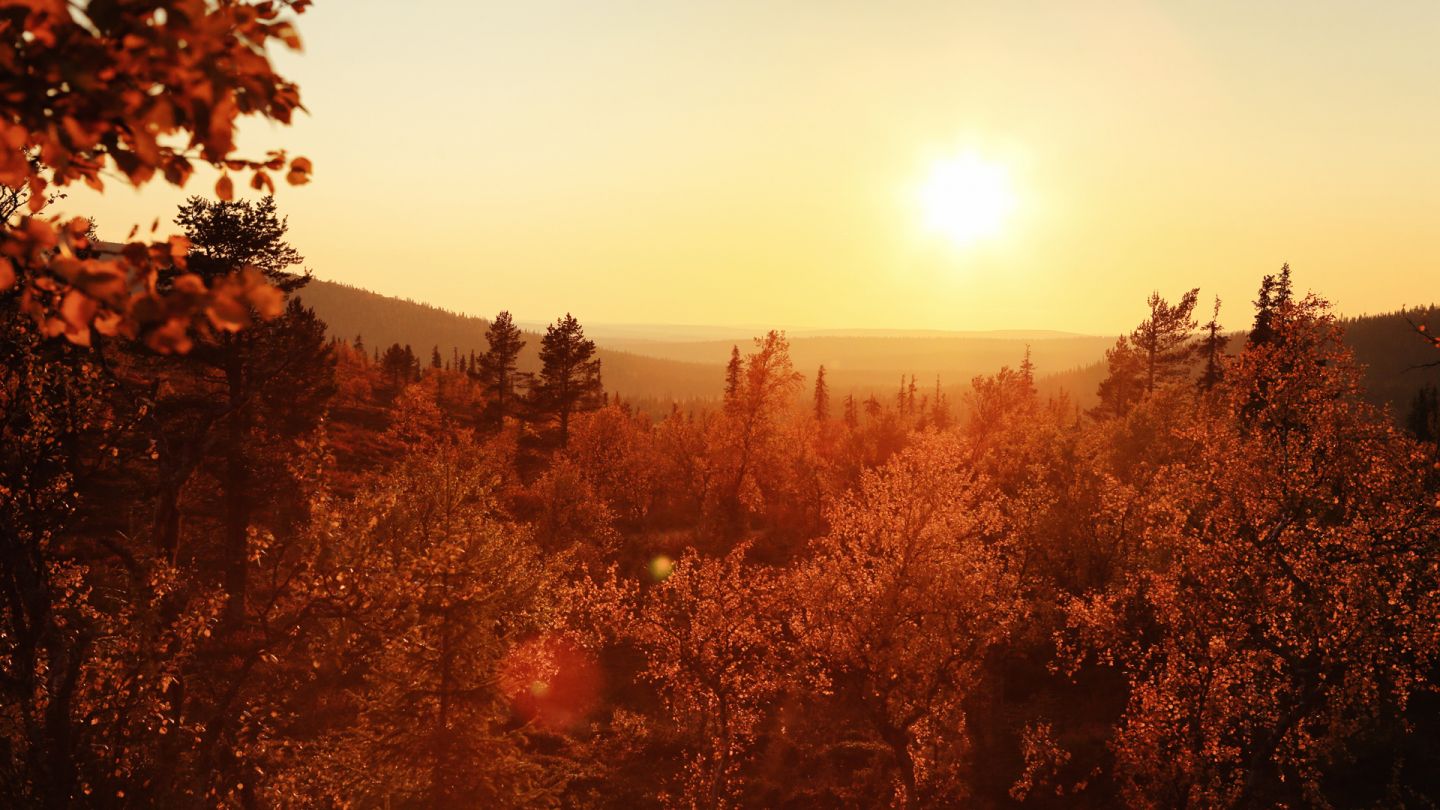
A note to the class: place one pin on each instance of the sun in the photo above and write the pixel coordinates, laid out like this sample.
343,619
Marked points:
966,198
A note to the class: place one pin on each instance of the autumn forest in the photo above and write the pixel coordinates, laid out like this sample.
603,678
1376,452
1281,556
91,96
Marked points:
248,560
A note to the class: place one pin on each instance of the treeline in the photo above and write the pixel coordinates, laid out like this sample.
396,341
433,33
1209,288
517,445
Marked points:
271,572
381,322
568,381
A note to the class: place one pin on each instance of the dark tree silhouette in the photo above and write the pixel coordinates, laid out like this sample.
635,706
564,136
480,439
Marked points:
822,397
497,368
1212,346
732,378
569,379
224,238
1275,294
1157,352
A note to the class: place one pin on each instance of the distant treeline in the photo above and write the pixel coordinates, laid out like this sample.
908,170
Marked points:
689,372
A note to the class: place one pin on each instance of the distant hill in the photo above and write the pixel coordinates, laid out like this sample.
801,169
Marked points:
381,320
861,362
870,363
645,333
1386,345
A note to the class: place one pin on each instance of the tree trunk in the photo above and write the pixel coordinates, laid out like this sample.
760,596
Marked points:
237,501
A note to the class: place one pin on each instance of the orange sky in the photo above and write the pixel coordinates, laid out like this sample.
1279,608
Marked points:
756,163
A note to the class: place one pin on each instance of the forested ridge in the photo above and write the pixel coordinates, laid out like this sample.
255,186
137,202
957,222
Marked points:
656,371
381,321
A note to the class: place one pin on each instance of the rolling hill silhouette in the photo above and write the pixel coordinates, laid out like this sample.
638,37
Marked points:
862,362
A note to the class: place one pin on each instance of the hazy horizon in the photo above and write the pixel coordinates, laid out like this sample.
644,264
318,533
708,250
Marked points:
671,331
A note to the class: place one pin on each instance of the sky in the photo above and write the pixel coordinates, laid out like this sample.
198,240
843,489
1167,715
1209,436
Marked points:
758,163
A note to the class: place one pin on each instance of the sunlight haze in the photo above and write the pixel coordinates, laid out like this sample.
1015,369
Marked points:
739,163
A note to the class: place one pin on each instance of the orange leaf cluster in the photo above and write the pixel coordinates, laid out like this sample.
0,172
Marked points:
148,89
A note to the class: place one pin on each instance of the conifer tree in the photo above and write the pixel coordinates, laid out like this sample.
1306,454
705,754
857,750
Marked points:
497,368
435,361
822,397
1027,370
1275,294
940,408
224,237
398,364
1163,339
569,379
732,378
852,412
1156,352
1212,346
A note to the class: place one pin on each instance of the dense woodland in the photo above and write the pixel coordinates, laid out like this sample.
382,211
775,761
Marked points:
248,565
284,570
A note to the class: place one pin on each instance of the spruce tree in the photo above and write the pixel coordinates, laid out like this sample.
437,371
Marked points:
497,368
569,379
1275,293
412,363
732,379
822,397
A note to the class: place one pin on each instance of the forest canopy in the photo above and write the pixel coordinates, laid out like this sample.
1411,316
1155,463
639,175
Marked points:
248,563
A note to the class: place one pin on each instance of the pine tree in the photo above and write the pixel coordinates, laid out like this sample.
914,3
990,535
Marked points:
569,379
497,368
224,237
435,361
852,412
1156,352
822,397
1163,339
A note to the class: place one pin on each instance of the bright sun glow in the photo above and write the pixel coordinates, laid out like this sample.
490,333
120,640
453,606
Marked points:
967,198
